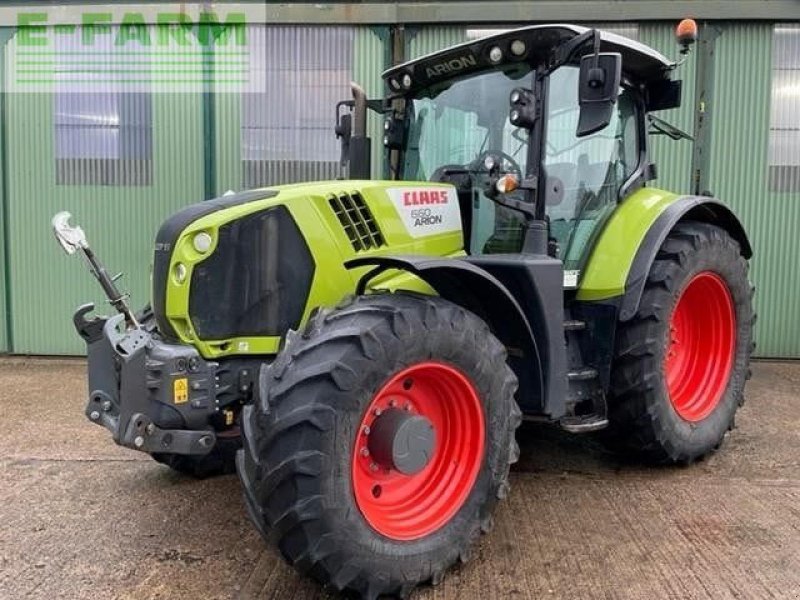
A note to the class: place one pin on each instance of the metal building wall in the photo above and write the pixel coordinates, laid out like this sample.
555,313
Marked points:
120,221
673,158
368,58
739,175
5,34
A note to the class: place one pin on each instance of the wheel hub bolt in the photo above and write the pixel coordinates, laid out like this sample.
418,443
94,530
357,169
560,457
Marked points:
94,415
365,452
138,441
107,405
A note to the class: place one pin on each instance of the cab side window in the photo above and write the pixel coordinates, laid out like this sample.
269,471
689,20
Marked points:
583,176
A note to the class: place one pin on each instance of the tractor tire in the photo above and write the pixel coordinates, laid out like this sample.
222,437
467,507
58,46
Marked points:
380,442
220,461
681,362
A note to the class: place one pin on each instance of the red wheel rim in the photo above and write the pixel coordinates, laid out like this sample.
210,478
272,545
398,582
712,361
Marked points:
408,507
701,346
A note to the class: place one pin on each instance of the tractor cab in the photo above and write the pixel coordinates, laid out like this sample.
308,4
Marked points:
524,104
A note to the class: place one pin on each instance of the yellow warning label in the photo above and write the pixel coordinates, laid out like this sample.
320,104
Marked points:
180,390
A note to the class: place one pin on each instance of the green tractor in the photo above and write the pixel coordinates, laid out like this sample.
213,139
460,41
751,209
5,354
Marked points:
363,351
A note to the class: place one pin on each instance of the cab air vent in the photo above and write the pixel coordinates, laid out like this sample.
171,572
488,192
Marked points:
357,220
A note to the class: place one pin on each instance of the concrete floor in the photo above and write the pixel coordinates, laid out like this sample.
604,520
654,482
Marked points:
83,518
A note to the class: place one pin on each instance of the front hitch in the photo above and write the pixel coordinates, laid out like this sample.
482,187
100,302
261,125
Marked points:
72,240
151,395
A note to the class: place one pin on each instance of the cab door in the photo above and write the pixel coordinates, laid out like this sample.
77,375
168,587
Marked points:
582,177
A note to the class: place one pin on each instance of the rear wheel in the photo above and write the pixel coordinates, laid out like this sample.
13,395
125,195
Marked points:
682,361
380,442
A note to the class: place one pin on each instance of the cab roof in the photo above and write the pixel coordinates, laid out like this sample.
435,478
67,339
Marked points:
638,60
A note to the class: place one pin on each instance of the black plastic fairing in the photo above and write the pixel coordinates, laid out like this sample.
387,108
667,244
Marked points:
257,280
536,281
468,283
168,234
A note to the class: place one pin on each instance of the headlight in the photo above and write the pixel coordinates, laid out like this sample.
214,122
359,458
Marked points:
180,272
202,242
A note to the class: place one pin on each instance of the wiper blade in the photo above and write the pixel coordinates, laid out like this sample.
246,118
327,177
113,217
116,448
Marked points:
661,126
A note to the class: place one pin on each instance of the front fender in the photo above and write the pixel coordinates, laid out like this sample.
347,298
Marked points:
476,290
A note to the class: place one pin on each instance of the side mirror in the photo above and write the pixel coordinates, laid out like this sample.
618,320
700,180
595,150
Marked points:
598,88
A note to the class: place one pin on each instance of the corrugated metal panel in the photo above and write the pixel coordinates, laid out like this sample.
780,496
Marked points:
279,127
285,112
227,104
673,158
739,175
5,35
370,59
120,221
430,39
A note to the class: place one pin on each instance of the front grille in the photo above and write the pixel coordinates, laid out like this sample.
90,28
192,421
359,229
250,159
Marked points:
257,280
357,221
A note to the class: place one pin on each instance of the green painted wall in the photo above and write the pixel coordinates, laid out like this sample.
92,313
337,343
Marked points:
5,35
739,176
673,158
46,285
370,59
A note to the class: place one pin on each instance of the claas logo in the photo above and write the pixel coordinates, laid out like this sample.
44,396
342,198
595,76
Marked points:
424,197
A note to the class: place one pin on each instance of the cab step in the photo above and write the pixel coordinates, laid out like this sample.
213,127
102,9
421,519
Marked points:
582,374
583,424
574,325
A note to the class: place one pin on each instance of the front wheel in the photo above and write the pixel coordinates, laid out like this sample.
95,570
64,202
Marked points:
380,442
681,363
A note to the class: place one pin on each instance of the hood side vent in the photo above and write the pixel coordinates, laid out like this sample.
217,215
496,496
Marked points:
357,221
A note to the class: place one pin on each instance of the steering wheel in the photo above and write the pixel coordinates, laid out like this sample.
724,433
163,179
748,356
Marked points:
507,163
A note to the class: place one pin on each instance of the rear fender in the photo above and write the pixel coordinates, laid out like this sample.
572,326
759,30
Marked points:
686,208
480,292
629,242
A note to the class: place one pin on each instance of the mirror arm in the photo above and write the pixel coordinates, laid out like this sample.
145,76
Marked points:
564,53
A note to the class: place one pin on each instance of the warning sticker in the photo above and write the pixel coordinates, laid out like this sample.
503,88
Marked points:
180,390
427,211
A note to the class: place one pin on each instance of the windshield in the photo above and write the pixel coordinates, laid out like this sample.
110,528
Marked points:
457,125
452,128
